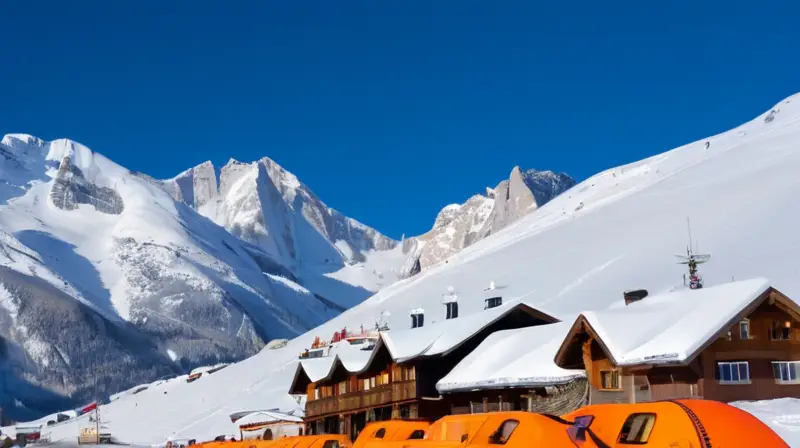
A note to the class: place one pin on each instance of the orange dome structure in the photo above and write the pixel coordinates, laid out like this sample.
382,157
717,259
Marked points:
673,423
380,434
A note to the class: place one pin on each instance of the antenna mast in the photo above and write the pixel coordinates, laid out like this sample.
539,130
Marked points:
692,260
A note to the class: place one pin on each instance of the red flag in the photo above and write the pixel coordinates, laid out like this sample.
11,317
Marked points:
89,408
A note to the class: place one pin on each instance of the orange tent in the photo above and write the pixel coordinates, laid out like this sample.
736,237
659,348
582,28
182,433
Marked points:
674,423
516,429
377,434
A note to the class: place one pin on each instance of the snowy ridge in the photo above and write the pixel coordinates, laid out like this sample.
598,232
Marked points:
460,225
266,205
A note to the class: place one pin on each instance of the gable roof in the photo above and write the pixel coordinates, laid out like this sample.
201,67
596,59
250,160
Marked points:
436,339
513,358
445,336
671,328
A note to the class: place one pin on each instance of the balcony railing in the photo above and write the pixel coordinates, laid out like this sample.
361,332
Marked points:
378,396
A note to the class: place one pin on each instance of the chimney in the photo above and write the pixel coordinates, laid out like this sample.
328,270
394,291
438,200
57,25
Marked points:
634,296
417,317
493,302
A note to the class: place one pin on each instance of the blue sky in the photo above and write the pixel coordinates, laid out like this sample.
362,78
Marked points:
391,110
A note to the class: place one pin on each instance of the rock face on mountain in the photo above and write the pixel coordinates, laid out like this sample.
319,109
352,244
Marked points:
266,205
460,225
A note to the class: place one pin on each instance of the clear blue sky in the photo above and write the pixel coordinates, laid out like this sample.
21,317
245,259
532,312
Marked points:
390,110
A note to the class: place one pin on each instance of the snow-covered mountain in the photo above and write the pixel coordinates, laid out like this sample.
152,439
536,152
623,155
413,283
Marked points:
615,231
266,205
460,225
106,281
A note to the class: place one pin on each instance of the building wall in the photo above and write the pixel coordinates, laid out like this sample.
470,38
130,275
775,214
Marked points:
759,350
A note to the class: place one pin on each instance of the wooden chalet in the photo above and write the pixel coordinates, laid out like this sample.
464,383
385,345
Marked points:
398,379
735,341
513,370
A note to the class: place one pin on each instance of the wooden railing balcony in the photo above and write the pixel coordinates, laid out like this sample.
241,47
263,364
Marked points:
321,406
378,396
404,390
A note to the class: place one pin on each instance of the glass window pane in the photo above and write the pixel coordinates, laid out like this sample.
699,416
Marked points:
744,371
776,370
734,372
725,371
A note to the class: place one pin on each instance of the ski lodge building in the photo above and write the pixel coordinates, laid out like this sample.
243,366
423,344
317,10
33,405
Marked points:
734,341
397,378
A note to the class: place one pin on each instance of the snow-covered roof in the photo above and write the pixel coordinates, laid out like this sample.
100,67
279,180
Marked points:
441,337
438,338
672,327
513,358
266,417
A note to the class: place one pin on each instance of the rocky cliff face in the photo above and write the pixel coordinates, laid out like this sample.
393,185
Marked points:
460,225
266,205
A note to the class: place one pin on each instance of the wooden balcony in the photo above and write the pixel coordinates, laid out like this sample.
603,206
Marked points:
322,406
375,397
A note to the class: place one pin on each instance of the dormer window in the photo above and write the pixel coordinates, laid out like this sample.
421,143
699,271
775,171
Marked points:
493,302
452,310
744,329
417,318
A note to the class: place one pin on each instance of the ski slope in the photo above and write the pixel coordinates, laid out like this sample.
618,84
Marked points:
616,231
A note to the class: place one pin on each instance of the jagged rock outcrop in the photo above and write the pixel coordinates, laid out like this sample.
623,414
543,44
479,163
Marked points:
458,226
266,205
71,188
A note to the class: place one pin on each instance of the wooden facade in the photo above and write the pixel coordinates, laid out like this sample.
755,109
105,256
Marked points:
344,402
755,356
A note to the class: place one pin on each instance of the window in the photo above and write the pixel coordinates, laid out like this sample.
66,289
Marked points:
331,444
380,433
744,329
636,429
267,434
503,433
737,372
786,372
609,379
343,387
780,331
316,394
452,310
417,435
366,383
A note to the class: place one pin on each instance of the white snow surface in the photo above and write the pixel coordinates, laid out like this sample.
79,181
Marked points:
615,231
782,415
671,327
513,358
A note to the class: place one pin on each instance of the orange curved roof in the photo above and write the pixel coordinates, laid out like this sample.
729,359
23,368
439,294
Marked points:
673,423
394,431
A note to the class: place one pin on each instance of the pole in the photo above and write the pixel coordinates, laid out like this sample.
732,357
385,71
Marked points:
97,421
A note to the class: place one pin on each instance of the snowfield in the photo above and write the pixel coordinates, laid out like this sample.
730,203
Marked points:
616,231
